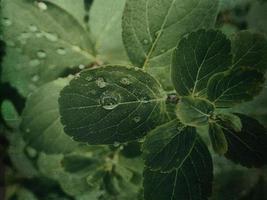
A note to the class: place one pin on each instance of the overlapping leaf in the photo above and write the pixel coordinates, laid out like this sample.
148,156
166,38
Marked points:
217,138
190,180
41,120
229,88
249,146
197,57
111,104
151,29
40,38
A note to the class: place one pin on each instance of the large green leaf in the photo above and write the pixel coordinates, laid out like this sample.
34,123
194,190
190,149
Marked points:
229,88
190,180
168,146
194,111
105,25
40,38
197,57
41,120
249,50
152,28
248,147
111,104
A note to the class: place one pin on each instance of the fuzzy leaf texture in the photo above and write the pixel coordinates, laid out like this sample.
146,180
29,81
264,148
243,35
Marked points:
111,104
41,120
191,179
152,28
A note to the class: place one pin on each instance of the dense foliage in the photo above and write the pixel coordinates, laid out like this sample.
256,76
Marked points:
133,99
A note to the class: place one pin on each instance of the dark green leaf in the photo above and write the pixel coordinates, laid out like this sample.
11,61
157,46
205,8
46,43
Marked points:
191,180
229,88
152,28
111,104
249,50
197,57
194,111
248,147
40,38
168,146
217,138
41,120
10,114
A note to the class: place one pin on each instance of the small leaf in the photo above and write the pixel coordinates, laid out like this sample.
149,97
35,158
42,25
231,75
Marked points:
191,180
197,57
218,139
232,87
248,147
167,146
10,114
232,120
249,50
40,38
111,104
194,111
41,120
151,29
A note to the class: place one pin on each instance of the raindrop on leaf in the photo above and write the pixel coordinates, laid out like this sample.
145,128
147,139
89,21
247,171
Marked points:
34,62
101,82
61,51
109,101
41,54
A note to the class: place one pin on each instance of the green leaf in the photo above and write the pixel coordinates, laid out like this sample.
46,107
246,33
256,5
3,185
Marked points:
194,111
111,104
10,114
248,147
40,38
197,57
168,146
232,87
256,17
151,29
217,138
105,25
232,120
41,120
191,180
249,50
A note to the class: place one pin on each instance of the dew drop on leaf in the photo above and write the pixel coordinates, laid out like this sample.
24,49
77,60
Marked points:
88,78
51,37
28,130
61,51
76,48
125,81
109,101
33,28
116,144
137,119
34,62
42,6
35,78
41,54
145,41
101,82
162,50
81,66
39,35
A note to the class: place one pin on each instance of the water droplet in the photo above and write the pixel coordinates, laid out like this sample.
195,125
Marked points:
51,37
39,35
88,78
162,50
28,130
41,54
145,41
101,82
33,28
137,119
34,62
109,101
81,66
125,81
116,144
35,78
61,51
24,35
7,22
42,6
76,48
144,99
31,152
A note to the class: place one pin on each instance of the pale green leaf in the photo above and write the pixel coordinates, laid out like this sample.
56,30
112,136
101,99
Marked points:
40,38
190,180
105,25
248,147
249,50
152,28
232,120
111,104
41,120
197,57
168,146
217,138
229,88
10,114
194,111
